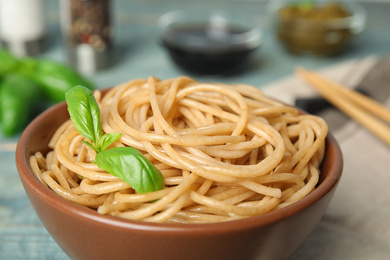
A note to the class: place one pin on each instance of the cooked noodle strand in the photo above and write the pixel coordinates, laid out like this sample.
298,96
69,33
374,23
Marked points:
225,151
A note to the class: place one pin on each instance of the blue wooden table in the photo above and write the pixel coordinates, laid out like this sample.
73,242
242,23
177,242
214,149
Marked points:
139,54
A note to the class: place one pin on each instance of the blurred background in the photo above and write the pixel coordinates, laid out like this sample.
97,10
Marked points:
109,42
137,50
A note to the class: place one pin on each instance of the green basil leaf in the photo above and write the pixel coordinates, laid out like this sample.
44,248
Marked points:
131,166
106,140
90,145
84,112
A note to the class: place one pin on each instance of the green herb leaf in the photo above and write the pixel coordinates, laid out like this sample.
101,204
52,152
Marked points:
91,145
131,166
106,140
306,5
127,163
84,112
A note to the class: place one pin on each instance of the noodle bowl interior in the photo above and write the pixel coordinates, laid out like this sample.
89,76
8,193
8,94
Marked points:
226,152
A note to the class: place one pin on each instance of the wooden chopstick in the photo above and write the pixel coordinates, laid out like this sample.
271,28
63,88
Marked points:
362,109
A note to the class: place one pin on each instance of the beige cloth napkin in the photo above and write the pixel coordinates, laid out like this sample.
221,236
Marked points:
357,222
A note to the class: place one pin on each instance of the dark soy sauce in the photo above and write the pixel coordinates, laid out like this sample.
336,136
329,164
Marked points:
203,50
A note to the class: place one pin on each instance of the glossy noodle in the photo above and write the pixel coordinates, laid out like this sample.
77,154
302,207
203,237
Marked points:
225,151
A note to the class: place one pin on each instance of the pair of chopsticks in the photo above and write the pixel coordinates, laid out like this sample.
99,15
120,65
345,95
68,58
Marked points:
364,110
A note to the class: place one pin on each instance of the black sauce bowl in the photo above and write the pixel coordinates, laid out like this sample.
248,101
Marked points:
209,42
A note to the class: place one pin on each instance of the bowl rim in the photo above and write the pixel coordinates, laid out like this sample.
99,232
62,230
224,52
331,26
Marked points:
31,183
171,20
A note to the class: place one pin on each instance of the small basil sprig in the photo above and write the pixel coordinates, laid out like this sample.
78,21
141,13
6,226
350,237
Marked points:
85,114
127,163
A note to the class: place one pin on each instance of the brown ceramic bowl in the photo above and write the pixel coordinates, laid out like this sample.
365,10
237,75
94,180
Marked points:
84,234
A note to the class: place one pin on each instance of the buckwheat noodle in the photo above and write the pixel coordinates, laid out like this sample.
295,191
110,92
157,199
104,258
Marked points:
226,152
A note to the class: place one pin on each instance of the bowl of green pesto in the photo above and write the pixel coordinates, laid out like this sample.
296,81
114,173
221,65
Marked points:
316,27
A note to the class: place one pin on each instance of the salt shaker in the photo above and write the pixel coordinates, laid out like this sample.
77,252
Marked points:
87,32
22,26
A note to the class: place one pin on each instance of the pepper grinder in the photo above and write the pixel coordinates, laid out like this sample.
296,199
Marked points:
87,34
22,26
